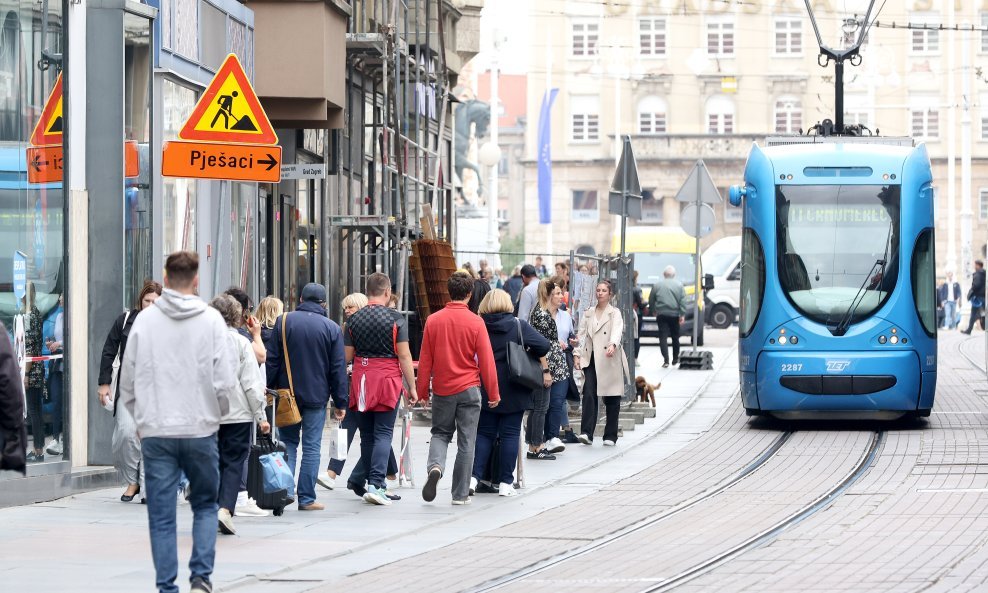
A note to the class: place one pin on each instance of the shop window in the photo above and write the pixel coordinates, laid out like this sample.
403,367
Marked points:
178,194
243,236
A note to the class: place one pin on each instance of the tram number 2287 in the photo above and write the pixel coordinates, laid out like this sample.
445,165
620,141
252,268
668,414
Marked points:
791,367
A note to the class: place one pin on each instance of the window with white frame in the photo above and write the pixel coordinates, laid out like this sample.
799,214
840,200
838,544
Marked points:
924,122
789,36
720,115
720,37
925,39
585,39
652,116
788,115
585,118
984,32
857,109
585,206
984,117
983,204
652,36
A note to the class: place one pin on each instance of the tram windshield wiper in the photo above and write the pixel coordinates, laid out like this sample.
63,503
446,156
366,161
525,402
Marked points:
841,328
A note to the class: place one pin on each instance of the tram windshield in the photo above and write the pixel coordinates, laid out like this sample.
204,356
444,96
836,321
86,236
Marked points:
838,249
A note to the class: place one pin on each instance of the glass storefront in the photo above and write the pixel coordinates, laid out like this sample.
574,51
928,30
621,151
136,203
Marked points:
179,194
32,216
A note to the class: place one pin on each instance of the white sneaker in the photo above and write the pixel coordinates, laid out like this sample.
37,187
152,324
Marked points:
250,509
506,490
326,482
377,496
584,439
554,445
608,443
473,485
226,522
55,448
465,501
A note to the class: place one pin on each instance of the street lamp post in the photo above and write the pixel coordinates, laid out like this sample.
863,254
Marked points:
490,155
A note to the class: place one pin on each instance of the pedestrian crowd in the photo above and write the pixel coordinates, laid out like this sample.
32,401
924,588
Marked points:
191,387
949,300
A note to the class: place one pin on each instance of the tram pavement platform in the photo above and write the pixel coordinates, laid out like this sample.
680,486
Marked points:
94,542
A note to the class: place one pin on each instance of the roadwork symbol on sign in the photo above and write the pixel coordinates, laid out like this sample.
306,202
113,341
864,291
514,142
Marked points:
229,111
48,130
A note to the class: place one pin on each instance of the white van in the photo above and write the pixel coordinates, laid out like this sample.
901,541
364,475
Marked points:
723,261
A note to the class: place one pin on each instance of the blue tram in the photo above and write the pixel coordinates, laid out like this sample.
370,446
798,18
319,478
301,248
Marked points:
838,311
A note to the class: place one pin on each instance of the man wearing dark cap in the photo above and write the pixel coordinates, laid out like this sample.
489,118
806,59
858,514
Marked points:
530,294
318,371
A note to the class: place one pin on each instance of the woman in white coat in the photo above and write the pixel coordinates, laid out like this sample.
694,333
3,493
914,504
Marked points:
604,365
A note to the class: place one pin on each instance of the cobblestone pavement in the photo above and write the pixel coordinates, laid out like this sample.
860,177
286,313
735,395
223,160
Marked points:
916,520
98,543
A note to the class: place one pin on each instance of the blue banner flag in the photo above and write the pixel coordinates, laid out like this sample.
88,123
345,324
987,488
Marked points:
545,157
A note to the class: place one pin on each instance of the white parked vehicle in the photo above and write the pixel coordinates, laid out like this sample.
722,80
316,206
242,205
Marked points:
723,261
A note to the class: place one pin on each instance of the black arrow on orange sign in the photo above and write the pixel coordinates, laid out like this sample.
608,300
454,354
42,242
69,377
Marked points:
270,162
37,163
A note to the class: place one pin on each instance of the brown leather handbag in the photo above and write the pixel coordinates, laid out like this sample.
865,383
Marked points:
287,412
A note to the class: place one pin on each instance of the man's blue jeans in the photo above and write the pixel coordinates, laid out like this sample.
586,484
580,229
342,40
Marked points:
950,314
310,430
376,432
164,462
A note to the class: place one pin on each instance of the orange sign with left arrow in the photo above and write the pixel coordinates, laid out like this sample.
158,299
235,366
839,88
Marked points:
45,164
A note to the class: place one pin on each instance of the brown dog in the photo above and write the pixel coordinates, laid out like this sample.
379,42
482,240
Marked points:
646,392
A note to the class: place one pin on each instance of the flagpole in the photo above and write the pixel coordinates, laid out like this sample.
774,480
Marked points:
548,91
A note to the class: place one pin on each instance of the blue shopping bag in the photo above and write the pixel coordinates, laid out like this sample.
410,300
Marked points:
277,476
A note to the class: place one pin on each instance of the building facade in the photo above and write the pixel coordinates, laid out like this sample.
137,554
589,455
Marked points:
357,90
704,79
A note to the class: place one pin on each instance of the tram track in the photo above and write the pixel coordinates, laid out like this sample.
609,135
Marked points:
524,579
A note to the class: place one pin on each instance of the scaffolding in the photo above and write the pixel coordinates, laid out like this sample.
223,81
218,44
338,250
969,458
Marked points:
394,150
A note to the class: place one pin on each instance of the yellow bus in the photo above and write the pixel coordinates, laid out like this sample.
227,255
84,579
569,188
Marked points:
654,248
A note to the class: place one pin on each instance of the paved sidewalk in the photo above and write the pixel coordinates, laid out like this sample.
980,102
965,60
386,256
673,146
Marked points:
99,543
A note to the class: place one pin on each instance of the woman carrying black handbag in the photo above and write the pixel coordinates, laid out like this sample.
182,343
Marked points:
504,421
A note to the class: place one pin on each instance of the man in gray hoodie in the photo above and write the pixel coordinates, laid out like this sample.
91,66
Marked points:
177,378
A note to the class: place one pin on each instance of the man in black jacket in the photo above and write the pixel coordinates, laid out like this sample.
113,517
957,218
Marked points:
977,296
318,371
13,433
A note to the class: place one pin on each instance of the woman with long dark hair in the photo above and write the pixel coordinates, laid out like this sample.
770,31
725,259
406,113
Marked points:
126,446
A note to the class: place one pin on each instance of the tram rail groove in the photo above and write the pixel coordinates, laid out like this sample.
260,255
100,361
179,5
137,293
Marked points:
977,365
767,454
767,535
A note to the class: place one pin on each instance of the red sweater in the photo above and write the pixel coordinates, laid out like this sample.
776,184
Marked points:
456,354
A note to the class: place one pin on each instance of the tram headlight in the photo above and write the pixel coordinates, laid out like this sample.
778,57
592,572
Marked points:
782,339
894,339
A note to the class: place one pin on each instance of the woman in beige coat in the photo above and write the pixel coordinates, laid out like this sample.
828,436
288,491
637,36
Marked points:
604,365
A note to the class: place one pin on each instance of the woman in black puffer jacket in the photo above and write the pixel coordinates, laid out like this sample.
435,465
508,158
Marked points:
504,421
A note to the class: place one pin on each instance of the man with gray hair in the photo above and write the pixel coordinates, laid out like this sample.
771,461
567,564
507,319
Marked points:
668,303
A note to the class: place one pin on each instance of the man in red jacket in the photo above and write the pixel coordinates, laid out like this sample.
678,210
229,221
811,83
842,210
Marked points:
459,339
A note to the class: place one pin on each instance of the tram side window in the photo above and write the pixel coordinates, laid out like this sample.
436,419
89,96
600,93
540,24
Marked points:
752,281
924,282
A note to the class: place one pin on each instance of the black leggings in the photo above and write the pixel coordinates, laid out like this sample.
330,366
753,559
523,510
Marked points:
35,400
591,407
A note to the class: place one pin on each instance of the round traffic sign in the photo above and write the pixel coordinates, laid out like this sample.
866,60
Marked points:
688,220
